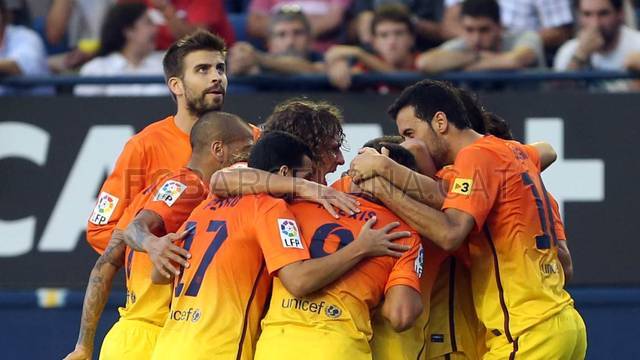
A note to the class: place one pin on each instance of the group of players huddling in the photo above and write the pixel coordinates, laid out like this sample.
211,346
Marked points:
439,243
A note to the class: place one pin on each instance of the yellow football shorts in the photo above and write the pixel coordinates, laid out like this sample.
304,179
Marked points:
561,337
283,343
129,339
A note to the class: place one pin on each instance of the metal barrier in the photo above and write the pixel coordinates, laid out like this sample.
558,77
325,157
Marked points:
315,81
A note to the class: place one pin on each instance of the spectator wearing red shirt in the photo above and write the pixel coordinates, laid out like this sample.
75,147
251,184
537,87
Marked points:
177,18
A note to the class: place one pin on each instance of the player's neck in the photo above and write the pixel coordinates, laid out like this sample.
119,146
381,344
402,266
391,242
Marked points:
461,140
184,120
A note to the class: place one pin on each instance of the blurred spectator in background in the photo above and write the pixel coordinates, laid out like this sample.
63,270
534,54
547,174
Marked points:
603,42
426,16
177,18
484,44
19,11
393,41
127,44
21,50
288,49
551,19
79,21
325,16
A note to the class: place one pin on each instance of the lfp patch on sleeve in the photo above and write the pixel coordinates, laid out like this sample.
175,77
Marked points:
462,186
170,192
289,234
104,208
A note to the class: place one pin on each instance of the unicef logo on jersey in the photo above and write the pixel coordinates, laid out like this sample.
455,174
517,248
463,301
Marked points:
333,311
196,315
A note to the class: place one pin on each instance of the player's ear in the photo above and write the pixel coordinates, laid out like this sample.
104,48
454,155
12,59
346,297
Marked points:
284,170
440,123
217,150
176,86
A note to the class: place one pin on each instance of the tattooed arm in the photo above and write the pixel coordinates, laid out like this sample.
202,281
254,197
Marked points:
97,294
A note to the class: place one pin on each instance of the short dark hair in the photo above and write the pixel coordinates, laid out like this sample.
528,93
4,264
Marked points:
617,4
173,62
277,148
217,125
428,97
392,139
317,123
396,13
481,8
497,126
474,110
119,18
289,13
397,153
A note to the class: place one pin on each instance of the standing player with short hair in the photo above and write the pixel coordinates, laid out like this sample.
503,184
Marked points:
195,72
218,140
498,201
237,244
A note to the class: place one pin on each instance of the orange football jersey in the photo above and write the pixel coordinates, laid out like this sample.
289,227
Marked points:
157,150
218,301
517,279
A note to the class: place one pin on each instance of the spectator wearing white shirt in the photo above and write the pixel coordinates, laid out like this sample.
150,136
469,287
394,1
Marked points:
127,48
551,19
21,51
603,42
484,44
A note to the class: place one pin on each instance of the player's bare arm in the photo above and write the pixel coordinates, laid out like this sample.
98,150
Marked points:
370,163
402,306
565,259
231,182
447,229
547,154
304,277
140,235
96,296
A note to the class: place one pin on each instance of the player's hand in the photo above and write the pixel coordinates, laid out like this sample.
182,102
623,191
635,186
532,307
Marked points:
80,353
367,164
163,251
380,242
329,197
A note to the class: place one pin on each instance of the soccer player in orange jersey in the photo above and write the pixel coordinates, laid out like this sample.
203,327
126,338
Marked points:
196,74
218,139
334,322
236,244
498,202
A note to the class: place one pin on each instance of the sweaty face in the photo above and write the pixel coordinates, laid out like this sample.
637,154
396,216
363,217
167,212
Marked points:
602,15
412,127
481,33
289,38
205,81
329,161
393,42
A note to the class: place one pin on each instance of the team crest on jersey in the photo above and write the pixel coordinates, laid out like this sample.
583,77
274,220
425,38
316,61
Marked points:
104,208
289,234
418,263
170,192
462,186
333,311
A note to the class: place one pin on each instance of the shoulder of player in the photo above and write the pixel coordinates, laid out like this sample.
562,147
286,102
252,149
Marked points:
150,132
